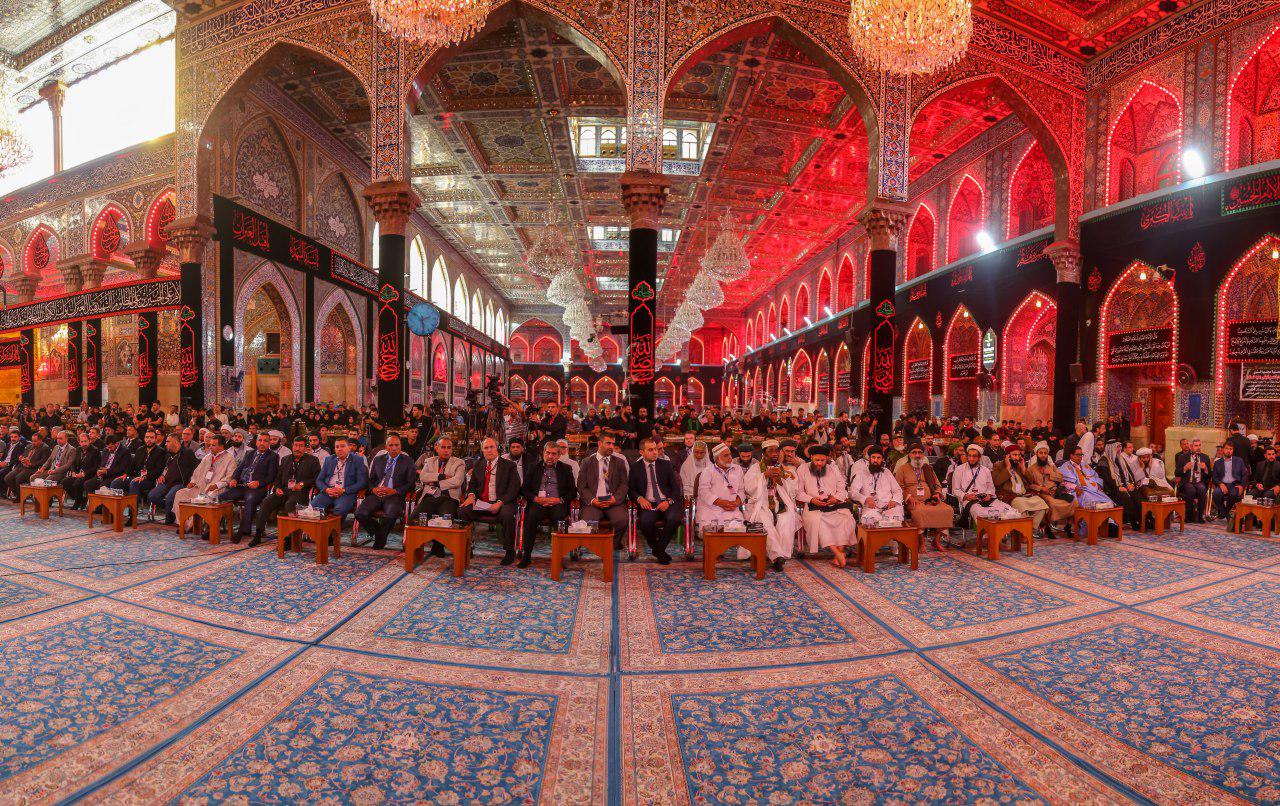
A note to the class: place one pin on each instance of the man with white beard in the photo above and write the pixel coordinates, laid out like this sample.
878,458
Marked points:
877,491
972,486
770,501
827,521
720,489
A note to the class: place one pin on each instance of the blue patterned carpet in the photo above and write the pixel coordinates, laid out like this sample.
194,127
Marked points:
137,668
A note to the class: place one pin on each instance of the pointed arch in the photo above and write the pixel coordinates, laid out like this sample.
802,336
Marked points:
517,389
824,303
267,273
605,391
579,392
547,350
335,217
609,350
461,303
802,306
440,294
961,360
751,334
40,259
417,275
1031,198
802,379
489,323
842,378
546,389
1147,138
477,310
110,233
784,315
917,367
160,214
1247,294
1026,358
1139,299
922,243
822,382
500,325
773,322
695,394
770,389
266,171
519,350
664,394
1251,106
966,216
697,351
846,285
338,300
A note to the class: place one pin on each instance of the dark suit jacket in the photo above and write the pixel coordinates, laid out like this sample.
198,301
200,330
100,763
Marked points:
1239,471
149,463
13,450
589,478
36,454
1266,473
179,466
115,464
668,482
507,482
308,468
264,472
87,461
1180,461
405,474
564,481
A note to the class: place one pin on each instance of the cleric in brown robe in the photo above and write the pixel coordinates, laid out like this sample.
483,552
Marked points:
923,495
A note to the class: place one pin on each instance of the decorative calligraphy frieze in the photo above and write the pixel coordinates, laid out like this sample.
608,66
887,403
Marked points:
1251,193
1252,341
1168,211
1135,348
109,301
344,268
247,19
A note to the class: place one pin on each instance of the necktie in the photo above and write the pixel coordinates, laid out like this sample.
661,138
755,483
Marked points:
655,493
391,470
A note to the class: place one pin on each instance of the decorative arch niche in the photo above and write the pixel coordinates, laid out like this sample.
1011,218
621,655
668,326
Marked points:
1026,359
965,218
802,380
963,360
664,394
266,176
263,301
160,215
605,392
40,259
917,368
579,393
922,240
110,233
1137,343
802,306
1031,194
845,284
1145,145
1253,116
842,379
338,317
546,390
1247,305
336,217
822,382
824,296
517,389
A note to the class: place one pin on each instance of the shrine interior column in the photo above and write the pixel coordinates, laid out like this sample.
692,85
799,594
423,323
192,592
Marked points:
392,204
190,236
644,194
884,222
1066,262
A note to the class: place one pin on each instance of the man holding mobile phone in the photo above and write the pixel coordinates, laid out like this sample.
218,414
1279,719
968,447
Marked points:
602,487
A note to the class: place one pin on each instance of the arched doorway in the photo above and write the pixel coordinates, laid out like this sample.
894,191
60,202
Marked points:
1138,351
769,392
802,381
338,379
460,372
963,362
518,390
1026,362
1145,146
1246,352
922,240
784,385
694,394
843,379
1031,194
546,390
917,368
579,394
966,217
605,392
822,383
439,368
268,349
664,394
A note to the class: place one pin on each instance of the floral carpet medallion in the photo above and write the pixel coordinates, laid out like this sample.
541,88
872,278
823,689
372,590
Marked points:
24,594
108,561
84,688
286,597
1247,607
878,730
1124,574
955,597
1177,714
677,619
495,615
337,727
1216,545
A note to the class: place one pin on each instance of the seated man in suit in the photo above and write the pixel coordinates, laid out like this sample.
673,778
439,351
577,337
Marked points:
12,450
251,482
1264,481
341,477
148,464
391,480
548,488
442,476
292,488
115,462
1230,479
30,461
61,459
1193,474
179,463
658,494
602,488
491,495
85,468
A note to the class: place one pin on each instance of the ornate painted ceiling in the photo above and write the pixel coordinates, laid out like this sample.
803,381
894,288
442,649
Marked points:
1083,27
329,93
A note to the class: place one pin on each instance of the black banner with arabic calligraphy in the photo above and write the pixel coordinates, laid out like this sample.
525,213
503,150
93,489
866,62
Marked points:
1253,342
27,348
93,362
10,354
148,358
151,295
1135,348
75,392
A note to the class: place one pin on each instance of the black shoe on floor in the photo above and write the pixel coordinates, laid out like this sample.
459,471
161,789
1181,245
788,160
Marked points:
235,538
508,558
379,542
779,563
437,550
663,558
256,541
525,561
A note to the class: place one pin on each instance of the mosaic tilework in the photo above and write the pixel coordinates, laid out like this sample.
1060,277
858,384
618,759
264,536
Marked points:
288,597
1177,714
345,726
675,619
955,597
495,615
85,687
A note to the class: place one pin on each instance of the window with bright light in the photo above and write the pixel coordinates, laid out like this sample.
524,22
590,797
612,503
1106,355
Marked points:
375,253
460,300
417,279
36,125
440,285
127,103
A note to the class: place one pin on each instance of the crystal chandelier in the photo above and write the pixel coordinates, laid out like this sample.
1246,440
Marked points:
431,22
727,259
552,253
705,292
910,37
14,148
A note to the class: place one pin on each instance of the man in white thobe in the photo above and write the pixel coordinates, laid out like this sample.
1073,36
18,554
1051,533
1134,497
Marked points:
770,502
720,495
827,519
877,491
972,486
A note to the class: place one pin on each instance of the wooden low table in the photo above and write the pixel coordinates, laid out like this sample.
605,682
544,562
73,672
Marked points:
214,514
997,530
43,496
290,529
1093,520
716,543
1264,515
598,543
115,506
456,539
1162,511
872,538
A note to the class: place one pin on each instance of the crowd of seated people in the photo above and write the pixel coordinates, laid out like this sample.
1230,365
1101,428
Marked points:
800,476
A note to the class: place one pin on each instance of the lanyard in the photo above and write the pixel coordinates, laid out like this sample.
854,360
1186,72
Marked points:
488,471
728,484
